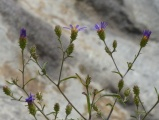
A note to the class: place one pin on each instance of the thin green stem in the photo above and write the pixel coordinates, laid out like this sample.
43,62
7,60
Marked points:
88,103
63,57
112,58
71,103
91,106
150,110
142,105
133,61
55,116
23,66
112,109
66,117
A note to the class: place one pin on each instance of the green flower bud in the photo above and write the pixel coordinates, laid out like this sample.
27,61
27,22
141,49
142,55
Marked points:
101,34
74,33
32,109
136,101
39,96
95,92
57,107
70,49
88,80
95,107
120,85
68,109
6,90
114,44
127,92
136,90
33,53
58,30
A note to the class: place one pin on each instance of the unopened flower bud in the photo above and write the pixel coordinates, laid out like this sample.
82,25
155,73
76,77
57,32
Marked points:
33,53
70,49
88,80
95,107
22,39
145,38
6,90
136,100
68,109
39,96
120,85
32,109
57,107
136,90
114,44
127,92
58,30
95,92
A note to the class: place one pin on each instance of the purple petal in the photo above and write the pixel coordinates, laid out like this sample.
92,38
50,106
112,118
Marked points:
67,28
82,28
97,27
71,26
77,26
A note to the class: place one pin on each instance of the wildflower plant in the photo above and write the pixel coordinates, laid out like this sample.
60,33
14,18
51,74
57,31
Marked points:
35,102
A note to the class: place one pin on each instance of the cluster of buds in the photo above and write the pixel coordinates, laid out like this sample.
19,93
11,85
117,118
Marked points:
39,96
22,39
136,91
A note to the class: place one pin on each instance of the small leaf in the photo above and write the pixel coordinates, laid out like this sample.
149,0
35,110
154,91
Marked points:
109,105
80,79
118,73
68,78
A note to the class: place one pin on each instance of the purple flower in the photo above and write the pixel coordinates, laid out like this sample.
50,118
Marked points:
30,99
101,26
77,28
146,34
22,33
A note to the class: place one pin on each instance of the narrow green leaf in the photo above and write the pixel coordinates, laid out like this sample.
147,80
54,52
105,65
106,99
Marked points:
118,73
68,78
80,79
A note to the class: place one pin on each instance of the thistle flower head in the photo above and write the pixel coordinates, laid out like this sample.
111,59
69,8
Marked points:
22,39
145,38
100,30
77,28
146,34
30,99
101,26
74,31
23,33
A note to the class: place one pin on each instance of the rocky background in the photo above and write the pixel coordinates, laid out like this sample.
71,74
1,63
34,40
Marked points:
126,18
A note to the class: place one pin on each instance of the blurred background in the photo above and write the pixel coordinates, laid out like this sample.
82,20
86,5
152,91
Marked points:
126,21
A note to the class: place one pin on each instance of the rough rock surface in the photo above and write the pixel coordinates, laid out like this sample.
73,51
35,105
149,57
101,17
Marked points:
126,20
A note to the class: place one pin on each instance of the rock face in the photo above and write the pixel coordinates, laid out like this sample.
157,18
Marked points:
126,19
